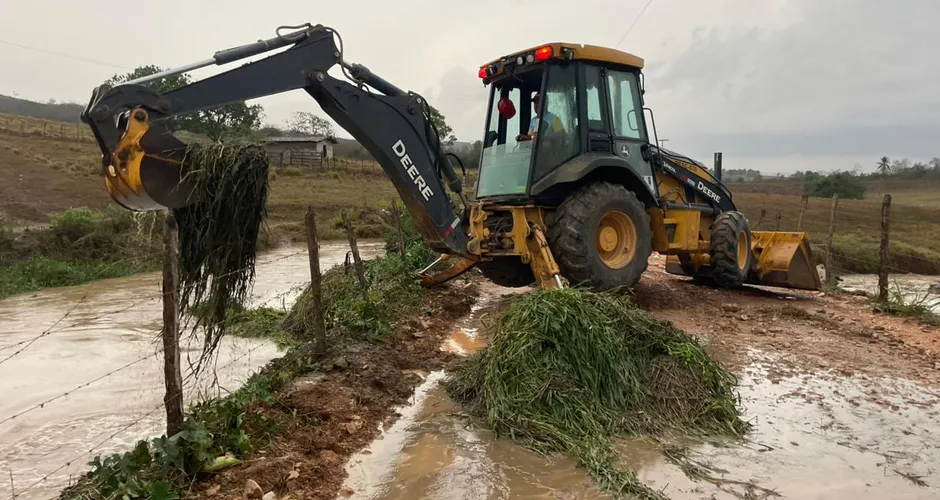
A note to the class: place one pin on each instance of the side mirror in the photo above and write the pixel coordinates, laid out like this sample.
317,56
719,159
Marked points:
506,108
490,138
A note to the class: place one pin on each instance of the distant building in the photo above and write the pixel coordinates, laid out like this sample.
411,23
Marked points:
305,151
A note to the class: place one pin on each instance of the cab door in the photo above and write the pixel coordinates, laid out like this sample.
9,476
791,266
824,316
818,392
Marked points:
627,124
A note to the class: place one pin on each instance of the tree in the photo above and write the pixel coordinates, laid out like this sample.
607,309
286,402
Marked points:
235,119
848,186
471,157
305,122
884,166
898,166
443,129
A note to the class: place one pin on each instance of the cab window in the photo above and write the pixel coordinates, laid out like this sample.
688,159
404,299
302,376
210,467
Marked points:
507,154
557,137
625,105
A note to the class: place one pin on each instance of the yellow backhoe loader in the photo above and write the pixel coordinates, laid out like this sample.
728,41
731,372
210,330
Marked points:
570,188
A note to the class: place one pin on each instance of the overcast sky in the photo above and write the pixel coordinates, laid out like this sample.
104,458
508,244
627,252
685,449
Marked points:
778,85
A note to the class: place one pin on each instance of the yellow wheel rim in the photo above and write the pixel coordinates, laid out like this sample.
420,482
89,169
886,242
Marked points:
742,250
616,239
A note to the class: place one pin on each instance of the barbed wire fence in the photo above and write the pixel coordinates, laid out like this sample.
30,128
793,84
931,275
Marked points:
852,237
191,385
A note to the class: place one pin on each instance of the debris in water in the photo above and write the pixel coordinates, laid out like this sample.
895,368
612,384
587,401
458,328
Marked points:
569,368
218,233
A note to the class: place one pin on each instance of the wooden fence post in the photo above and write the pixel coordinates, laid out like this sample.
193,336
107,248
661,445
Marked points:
803,202
401,231
830,276
883,261
173,399
313,253
760,220
355,251
777,220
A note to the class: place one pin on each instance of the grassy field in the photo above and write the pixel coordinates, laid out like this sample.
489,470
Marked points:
914,230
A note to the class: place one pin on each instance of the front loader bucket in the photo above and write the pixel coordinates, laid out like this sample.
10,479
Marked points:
146,171
783,259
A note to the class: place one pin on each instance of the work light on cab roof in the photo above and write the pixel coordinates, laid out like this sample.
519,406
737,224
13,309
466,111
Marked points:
540,54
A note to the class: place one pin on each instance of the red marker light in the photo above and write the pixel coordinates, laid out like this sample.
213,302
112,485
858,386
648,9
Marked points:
543,53
482,72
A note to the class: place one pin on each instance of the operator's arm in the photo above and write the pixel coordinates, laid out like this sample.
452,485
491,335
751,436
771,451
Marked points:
392,125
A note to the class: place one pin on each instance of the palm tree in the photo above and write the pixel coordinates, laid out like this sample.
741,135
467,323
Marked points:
884,166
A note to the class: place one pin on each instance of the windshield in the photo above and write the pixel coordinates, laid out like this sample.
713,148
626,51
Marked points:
505,163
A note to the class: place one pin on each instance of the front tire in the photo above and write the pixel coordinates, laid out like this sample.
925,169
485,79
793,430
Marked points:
601,237
730,254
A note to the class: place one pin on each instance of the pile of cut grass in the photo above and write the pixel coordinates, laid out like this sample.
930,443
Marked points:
568,369
218,234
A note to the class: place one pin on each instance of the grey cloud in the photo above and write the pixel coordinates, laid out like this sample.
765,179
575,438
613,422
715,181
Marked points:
847,77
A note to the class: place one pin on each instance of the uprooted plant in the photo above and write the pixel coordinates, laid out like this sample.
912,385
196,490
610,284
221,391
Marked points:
218,233
568,369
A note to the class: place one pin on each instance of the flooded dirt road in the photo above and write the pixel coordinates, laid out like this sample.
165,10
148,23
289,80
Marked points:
430,452
100,342
840,410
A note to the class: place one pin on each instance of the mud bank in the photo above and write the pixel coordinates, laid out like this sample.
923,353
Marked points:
325,417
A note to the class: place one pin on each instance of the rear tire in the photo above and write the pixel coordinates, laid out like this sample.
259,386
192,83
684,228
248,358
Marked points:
509,272
730,256
601,237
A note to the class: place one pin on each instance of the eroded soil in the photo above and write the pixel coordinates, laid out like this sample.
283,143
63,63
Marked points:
326,417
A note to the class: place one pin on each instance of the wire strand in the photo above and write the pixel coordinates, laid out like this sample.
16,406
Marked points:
624,37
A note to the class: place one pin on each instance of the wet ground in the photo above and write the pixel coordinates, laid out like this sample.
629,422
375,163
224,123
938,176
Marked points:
106,335
914,288
837,414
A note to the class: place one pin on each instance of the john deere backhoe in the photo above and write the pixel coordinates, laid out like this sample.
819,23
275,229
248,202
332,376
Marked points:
570,186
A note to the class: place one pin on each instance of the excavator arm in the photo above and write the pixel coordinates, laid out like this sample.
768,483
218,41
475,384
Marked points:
145,166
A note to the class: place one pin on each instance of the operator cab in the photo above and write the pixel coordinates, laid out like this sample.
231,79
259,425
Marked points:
551,106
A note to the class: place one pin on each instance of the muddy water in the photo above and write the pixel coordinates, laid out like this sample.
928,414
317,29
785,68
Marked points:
112,325
914,288
817,436
429,452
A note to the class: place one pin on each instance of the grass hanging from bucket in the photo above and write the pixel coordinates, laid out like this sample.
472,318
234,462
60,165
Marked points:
568,369
219,232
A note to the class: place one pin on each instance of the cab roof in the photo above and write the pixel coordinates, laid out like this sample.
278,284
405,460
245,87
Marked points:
560,50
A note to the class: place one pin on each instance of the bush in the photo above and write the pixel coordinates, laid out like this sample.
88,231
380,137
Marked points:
846,185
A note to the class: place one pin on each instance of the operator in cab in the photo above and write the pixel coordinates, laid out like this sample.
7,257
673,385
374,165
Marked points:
554,126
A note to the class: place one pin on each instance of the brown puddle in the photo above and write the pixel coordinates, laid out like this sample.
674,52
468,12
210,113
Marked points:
429,452
107,325
817,436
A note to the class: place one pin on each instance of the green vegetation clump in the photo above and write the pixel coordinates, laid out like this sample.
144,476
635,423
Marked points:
845,184
392,289
568,369
218,233
79,245
918,306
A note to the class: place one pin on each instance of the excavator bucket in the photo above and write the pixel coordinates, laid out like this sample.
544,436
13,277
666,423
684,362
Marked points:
146,169
781,259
